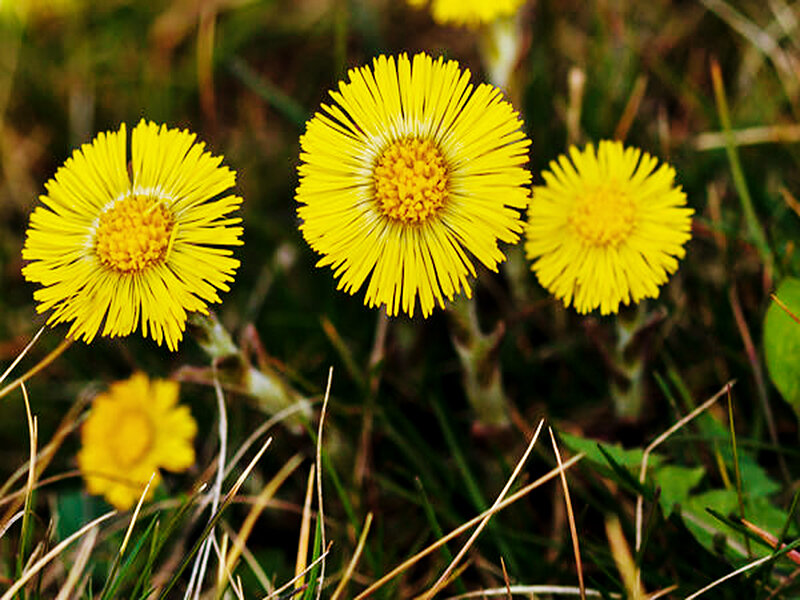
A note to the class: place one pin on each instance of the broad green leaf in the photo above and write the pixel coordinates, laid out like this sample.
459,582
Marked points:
676,482
630,459
782,342
720,538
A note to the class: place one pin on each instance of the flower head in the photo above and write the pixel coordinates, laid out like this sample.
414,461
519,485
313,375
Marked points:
469,12
607,227
411,169
112,250
133,430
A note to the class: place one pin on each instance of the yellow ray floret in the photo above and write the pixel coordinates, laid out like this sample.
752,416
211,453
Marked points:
469,12
133,430
113,251
409,173
607,228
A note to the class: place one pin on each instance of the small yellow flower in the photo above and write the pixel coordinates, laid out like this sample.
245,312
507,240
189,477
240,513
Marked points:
606,228
408,171
133,430
471,13
113,250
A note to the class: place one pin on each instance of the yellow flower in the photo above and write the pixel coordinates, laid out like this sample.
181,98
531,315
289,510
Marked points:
606,228
469,12
409,170
112,250
21,10
133,430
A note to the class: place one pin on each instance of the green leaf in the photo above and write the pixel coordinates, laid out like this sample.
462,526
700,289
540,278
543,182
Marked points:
782,342
676,482
720,538
630,459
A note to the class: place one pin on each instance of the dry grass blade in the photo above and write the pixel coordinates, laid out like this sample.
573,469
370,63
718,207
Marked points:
770,539
505,578
29,485
260,503
662,593
320,510
305,532
348,572
135,516
68,424
531,591
214,519
260,431
749,136
199,567
462,528
444,576
631,108
36,368
576,82
730,575
621,553
761,39
81,558
58,549
658,441
785,308
293,580
118,559
573,530
20,356
223,573
10,522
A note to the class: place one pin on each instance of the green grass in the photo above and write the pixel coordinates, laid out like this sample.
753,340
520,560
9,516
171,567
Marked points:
401,441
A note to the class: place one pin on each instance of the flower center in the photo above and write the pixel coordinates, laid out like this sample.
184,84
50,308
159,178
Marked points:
411,180
132,438
134,234
604,216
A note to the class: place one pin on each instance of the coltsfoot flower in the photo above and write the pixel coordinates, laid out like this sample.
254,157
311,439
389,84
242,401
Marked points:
607,228
114,250
469,12
409,171
133,430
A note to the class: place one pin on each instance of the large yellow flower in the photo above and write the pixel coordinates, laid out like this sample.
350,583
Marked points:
112,250
607,227
469,12
409,170
133,430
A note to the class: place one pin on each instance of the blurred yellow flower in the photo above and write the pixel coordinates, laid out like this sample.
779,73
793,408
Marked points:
21,10
111,251
607,227
133,430
469,12
407,171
